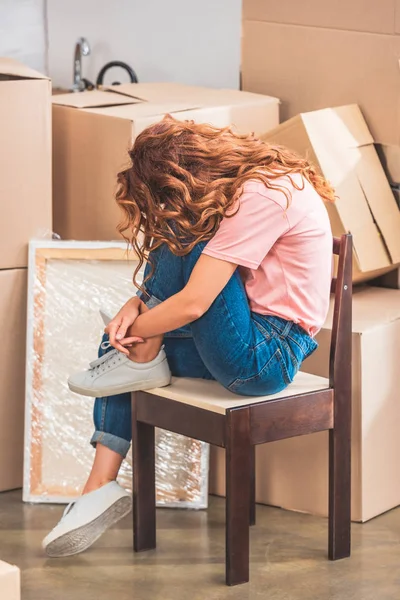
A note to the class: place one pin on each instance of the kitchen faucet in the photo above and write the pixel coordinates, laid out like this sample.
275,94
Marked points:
82,48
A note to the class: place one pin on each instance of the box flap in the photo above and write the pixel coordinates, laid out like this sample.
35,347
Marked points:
194,96
356,217
96,98
259,118
346,154
389,156
13,68
337,140
228,97
293,135
134,111
162,92
343,126
369,249
380,199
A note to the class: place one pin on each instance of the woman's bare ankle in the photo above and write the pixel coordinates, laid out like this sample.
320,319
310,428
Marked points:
92,486
105,468
145,352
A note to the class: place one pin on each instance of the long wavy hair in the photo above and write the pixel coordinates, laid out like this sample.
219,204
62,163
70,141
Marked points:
184,178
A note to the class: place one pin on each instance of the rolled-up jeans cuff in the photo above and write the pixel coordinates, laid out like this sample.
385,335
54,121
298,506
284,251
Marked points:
111,441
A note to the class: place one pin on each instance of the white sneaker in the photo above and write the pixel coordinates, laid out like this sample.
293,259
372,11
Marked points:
87,519
114,373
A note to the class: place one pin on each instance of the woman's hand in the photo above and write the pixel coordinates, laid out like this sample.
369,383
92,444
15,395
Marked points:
117,328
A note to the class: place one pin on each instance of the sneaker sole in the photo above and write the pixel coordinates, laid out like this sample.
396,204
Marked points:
80,539
121,389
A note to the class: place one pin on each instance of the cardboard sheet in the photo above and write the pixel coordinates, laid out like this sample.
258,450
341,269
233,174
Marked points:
338,141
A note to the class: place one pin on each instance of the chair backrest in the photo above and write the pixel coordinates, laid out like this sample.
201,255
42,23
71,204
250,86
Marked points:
341,287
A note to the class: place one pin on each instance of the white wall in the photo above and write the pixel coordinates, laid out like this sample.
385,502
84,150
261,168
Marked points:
190,41
22,32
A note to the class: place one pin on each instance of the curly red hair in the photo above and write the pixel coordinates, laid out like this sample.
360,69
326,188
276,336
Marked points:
184,178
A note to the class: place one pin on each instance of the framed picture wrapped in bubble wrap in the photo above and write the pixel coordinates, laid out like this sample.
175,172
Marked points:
68,284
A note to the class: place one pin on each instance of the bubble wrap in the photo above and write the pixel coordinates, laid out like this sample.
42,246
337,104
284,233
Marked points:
64,329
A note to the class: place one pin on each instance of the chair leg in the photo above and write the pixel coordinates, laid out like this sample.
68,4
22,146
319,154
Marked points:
238,478
144,487
339,493
340,371
252,485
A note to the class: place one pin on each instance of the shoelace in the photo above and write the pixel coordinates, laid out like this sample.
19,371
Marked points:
105,361
99,361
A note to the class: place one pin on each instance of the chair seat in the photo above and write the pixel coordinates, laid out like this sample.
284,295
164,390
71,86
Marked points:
210,395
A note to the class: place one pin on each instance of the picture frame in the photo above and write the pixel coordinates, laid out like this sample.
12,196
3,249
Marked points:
68,283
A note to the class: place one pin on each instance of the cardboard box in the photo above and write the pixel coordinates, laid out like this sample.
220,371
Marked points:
357,15
13,293
389,280
396,194
293,473
390,159
25,160
326,67
331,54
10,582
338,141
93,131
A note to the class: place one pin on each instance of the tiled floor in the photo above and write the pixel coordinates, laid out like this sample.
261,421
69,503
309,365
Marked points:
288,558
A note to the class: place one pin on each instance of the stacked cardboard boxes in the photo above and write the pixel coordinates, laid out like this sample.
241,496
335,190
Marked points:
313,56
93,131
25,200
322,53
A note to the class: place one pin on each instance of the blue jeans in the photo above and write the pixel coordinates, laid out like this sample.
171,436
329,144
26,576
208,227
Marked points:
248,353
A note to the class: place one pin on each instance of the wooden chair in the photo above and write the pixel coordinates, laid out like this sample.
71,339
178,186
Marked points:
204,410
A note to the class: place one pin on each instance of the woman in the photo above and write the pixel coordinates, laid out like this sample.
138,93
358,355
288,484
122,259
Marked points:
239,251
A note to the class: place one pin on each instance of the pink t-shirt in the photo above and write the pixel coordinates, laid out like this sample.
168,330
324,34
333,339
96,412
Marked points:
284,254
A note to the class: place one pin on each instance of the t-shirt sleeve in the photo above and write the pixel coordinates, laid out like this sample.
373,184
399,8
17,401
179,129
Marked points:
247,237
